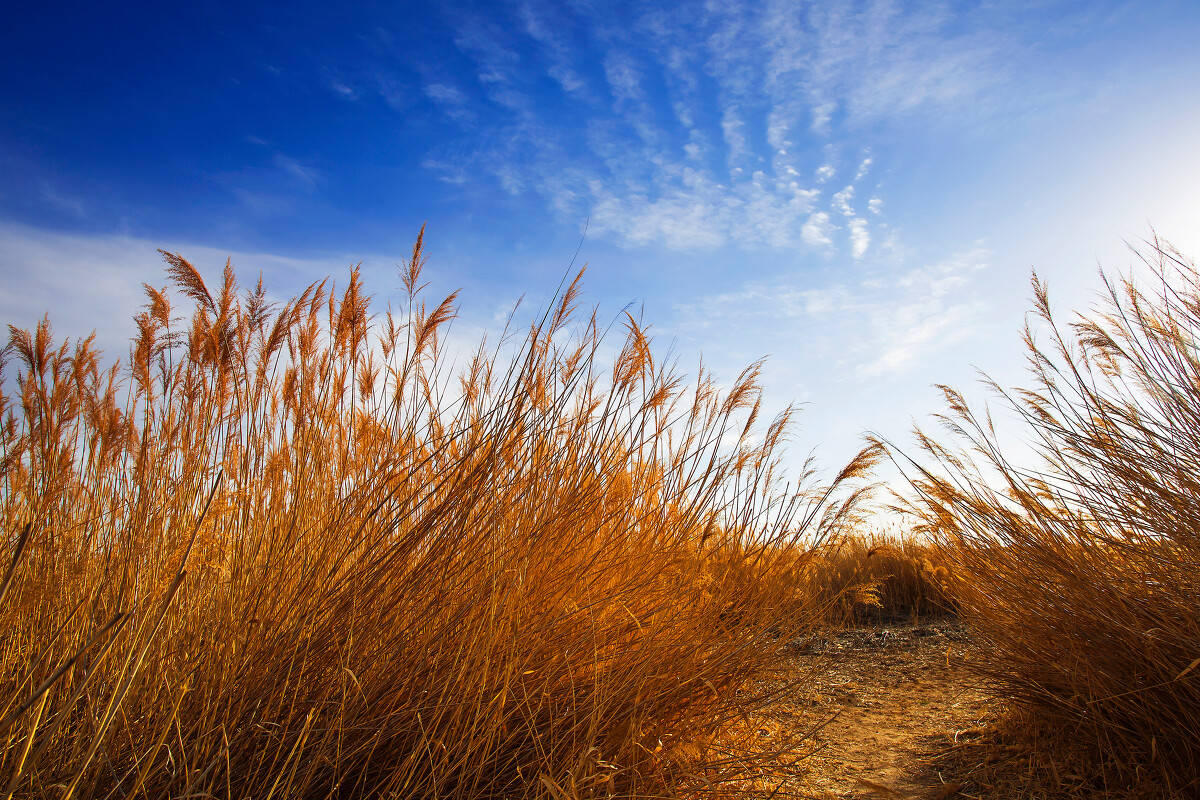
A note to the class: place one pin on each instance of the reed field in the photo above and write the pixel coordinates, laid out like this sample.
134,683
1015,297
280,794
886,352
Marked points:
295,550
291,551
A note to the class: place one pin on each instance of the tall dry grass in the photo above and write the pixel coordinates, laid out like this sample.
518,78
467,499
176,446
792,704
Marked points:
878,576
1081,568
287,552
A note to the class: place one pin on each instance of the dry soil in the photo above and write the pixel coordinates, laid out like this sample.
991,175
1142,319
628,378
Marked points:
892,698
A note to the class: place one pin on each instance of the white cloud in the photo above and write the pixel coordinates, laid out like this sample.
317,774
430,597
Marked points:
511,178
451,100
818,230
860,237
443,93
698,212
446,171
942,279
753,80
498,67
881,60
863,168
777,129
841,201
567,78
679,222
732,127
638,176
623,78
936,306
342,89
557,52
673,90
822,117
909,340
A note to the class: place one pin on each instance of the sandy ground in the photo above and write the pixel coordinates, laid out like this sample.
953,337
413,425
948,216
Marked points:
891,699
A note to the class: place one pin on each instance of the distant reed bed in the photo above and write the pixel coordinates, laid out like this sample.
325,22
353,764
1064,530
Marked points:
877,576
285,551
1079,567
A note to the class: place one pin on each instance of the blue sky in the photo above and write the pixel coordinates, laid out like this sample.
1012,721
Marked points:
857,190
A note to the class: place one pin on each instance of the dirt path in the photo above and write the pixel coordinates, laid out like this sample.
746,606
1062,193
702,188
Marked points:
898,696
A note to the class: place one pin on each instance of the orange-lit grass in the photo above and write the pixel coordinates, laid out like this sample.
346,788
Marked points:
289,554
877,576
1081,572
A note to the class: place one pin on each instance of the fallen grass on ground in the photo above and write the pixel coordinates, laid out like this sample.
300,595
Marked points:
1080,573
287,553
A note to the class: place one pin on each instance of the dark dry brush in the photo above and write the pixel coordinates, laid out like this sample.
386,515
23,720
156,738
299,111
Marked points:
287,553
1080,569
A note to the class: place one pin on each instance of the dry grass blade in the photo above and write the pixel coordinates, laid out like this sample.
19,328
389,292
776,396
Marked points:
18,550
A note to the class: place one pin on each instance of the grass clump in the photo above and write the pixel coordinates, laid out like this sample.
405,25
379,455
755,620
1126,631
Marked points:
879,576
288,553
1080,566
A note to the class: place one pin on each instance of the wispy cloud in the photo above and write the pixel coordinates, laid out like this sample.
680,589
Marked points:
274,185
936,305
541,24
442,93
623,78
342,89
818,229
61,201
841,201
451,100
863,168
860,237
694,129
303,174
884,324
